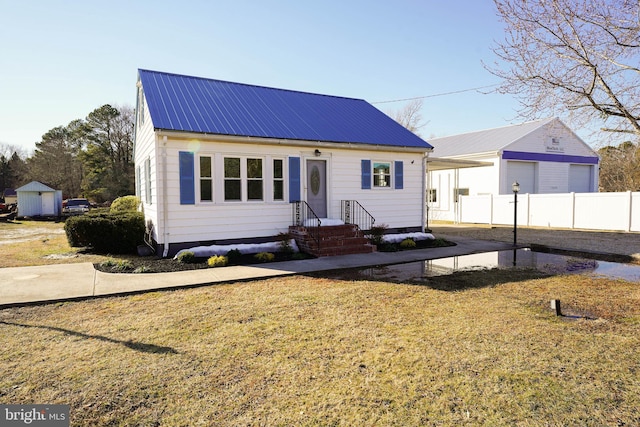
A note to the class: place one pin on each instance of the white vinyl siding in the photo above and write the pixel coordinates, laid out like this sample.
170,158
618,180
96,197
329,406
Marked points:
262,218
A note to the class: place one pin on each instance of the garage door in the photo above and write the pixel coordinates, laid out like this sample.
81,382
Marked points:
580,180
524,173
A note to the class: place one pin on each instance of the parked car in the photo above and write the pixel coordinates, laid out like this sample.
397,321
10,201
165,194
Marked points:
75,206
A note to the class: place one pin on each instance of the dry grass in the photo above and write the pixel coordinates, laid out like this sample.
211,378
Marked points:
317,351
25,243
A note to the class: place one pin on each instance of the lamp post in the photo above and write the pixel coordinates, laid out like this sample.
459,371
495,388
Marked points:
516,188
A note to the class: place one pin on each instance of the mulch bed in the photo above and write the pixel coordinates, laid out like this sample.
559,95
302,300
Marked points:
154,264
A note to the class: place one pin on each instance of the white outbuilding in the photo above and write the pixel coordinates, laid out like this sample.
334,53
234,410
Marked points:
38,200
543,156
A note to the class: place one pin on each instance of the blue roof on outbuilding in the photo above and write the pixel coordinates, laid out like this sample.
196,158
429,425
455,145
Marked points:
195,104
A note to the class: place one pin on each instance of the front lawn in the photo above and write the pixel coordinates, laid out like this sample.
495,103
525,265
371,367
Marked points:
318,351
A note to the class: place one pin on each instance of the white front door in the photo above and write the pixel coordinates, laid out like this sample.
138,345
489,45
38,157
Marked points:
317,186
47,204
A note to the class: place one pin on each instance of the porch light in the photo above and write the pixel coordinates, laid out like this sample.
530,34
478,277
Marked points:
515,187
317,153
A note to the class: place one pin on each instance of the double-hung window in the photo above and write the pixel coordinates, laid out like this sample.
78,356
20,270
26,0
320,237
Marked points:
278,179
206,179
382,174
243,179
232,179
254,179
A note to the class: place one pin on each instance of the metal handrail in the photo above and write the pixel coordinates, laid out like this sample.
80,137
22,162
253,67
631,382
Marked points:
352,212
304,216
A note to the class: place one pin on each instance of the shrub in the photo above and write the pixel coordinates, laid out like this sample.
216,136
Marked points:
376,233
217,261
115,233
118,265
408,243
234,256
285,243
265,257
187,257
125,204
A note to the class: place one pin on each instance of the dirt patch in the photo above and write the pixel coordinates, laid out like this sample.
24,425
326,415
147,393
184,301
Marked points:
11,235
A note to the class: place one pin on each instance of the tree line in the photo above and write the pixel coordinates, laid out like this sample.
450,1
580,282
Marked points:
91,157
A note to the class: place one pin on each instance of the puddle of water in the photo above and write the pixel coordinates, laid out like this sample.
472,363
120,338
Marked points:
518,258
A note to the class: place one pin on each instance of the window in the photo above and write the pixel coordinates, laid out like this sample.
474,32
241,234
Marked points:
254,179
206,180
232,179
147,180
432,195
278,179
382,174
140,107
138,183
460,192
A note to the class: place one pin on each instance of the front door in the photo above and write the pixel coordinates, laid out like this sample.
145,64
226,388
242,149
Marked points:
48,207
317,186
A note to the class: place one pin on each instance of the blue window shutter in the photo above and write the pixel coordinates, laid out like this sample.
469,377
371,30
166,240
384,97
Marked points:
187,188
399,175
294,179
365,166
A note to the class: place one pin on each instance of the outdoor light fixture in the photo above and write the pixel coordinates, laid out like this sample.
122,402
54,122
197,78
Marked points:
317,153
516,188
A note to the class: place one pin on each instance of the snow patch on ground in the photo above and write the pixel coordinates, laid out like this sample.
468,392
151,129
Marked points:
323,222
244,248
397,238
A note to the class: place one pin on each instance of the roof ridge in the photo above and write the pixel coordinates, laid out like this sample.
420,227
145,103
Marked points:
250,85
541,121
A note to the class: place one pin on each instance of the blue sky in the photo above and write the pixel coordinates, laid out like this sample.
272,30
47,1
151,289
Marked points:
59,60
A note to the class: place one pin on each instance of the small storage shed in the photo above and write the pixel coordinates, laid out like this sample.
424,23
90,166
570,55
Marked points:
36,199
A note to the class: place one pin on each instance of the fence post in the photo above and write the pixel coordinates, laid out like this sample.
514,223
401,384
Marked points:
491,210
573,209
630,210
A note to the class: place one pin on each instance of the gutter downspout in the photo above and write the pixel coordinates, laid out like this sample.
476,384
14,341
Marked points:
425,210
165,204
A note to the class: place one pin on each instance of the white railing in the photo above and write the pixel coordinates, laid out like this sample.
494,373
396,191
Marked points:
593,211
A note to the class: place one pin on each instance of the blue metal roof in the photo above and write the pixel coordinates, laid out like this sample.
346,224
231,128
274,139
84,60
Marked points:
194,104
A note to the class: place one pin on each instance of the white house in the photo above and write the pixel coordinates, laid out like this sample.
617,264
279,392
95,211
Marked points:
220,162
36,199
543,156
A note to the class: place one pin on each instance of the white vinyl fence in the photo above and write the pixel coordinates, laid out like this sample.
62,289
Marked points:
593,211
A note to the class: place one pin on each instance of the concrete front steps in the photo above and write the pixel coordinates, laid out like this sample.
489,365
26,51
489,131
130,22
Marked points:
334,240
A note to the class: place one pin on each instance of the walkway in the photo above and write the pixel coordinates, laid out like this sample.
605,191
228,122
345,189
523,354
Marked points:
47,283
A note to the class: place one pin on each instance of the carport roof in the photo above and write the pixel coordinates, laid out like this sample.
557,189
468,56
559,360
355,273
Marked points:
436,164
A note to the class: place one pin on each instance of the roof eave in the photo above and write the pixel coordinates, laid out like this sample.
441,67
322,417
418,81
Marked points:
289,142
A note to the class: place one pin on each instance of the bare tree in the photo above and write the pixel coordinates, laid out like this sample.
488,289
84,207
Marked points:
620,167
575,56
410,116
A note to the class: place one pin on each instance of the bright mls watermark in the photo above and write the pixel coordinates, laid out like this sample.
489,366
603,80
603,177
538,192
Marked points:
34,415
